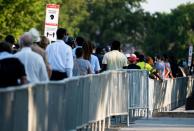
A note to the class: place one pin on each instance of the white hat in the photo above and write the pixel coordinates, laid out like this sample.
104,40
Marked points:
35,35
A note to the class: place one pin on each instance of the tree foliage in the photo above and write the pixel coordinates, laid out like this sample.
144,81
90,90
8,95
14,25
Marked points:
111,19
18,15
170,33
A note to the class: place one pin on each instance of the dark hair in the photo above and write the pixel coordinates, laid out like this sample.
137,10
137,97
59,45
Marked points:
165,56
10,39
141,58
79,52
159,57
61,32
87,47
137,53
70,41
115,45
4,46
44,42
99,50
80,40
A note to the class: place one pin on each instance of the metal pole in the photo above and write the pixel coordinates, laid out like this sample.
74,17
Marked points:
147,95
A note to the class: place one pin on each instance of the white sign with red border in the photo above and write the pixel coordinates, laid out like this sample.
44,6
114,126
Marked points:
51,21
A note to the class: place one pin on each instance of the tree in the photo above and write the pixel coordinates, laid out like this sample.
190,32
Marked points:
111,19
72,12
169,33
17,16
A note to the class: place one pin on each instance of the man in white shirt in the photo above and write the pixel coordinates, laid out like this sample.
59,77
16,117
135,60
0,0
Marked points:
34,64
114,59
60,57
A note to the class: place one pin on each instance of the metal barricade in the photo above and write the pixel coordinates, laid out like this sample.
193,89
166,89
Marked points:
79,103
138,94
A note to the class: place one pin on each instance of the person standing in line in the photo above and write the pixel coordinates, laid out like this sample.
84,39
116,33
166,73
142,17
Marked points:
79,42
168,71
5,51
11,41
12,71
34,64
60,57
44,42
88,49
145,66
132,62
99,54
114,59
160,66
36,39
81,66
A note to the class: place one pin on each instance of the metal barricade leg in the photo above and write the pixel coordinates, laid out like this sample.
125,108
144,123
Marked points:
103,125
99,125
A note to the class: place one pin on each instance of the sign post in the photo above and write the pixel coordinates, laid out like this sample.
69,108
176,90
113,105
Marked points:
51,21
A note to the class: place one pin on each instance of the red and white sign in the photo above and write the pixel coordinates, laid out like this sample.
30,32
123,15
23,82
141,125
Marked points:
51,21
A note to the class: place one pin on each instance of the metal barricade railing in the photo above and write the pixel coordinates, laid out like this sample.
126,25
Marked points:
138,94
73,104
87,102
169,94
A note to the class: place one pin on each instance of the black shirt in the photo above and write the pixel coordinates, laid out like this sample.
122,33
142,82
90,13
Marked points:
133,66
11,70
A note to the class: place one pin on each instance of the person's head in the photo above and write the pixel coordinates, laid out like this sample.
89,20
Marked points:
10,39
115,45
133,58
99,50
137,53
79,41
4,46
61,33
141,58
166,58
93,47
87,47
35,35
159,58
26,40
44,42
149,60
70,42
15,48
79,52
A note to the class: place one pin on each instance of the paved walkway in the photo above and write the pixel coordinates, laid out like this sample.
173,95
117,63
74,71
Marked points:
179,113
160,124
176,120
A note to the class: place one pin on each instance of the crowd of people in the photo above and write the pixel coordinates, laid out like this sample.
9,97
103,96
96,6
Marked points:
35,59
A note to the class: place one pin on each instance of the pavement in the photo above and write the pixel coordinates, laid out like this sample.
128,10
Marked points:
176,120
179,113
159,124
